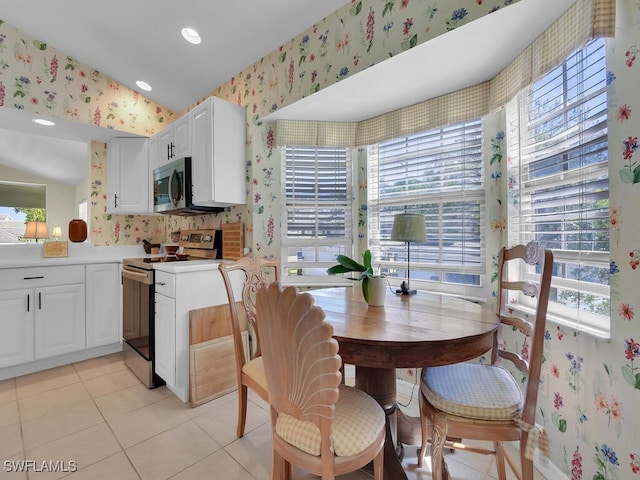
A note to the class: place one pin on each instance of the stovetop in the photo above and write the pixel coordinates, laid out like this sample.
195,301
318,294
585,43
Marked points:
198,244
147,263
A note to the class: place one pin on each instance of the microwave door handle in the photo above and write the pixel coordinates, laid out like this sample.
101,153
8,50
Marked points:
171,197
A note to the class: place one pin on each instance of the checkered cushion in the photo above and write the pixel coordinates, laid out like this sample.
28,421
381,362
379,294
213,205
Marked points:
483,392
255,369
357,421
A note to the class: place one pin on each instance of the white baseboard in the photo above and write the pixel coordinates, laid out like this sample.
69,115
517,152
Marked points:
51,362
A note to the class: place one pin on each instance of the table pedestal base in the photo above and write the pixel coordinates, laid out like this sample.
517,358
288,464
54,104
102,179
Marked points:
380,383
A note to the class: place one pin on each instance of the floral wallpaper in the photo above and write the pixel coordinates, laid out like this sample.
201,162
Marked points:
38,78
591,387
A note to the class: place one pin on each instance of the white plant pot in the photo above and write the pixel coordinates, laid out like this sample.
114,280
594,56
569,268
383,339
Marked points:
377,291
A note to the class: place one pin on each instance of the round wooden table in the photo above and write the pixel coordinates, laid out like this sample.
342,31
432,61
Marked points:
415,331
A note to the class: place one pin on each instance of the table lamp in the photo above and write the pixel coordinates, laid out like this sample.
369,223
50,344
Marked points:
57,232
36,230
408,227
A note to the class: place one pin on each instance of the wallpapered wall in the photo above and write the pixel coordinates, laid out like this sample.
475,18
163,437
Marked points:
590,388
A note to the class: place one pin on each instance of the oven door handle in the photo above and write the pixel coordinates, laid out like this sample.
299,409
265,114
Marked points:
137,277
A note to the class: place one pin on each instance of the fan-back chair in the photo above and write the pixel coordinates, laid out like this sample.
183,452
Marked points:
318,423
473,401
256,271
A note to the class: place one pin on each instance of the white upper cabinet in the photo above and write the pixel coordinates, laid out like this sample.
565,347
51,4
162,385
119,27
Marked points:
128,180
218,153
173,143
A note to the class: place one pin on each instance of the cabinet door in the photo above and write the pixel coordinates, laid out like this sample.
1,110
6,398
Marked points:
202,152
165,141
218,153
229,153
165,339
128,180
103,304
154,153
59,320
16,327
182,137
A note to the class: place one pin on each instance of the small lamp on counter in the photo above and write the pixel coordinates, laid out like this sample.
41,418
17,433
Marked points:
37,230
57,233
408,227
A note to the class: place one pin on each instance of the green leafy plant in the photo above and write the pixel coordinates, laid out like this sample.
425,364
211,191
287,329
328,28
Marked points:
347,265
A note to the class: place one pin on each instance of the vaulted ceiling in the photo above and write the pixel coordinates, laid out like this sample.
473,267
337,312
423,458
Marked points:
129,41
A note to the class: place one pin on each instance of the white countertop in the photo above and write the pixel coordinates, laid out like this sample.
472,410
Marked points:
31,255
187,266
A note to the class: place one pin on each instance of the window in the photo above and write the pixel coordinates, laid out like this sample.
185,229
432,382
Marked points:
317,210
19,203
83,210
558,182
438,173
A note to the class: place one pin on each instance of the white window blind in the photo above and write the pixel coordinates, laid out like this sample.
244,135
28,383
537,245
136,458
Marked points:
317,208
559,187
438,173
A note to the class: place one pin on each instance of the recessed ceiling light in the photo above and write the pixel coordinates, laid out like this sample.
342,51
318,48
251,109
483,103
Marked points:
144,86
191,36
42,121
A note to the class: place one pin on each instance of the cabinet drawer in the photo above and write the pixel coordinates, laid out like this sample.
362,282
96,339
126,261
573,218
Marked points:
36,277
166,284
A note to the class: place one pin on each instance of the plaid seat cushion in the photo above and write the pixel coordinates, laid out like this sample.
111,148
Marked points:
482,392
357,421
255,369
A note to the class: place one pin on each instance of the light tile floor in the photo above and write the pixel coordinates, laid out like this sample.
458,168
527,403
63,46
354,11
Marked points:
98,415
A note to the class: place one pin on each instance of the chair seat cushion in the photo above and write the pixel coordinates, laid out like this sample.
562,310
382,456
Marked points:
357,422
482,392
255,369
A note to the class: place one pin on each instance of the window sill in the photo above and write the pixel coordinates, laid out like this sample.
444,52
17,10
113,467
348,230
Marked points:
596,331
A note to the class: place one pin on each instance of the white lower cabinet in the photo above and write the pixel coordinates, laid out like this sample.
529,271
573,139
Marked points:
165,339
104,311
59,320
16,327
53,315
176,294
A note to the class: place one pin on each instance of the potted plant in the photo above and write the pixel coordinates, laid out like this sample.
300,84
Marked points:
373,286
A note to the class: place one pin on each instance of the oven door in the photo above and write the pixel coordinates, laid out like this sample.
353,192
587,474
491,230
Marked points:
137,310
138,292
169,188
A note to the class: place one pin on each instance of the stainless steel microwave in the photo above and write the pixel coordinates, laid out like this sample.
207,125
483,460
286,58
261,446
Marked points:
172,190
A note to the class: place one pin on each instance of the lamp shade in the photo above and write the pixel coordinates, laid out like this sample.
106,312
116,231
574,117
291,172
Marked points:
409,227
36,230
57,232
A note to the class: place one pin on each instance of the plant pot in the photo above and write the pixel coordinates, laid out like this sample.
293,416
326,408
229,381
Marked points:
374,290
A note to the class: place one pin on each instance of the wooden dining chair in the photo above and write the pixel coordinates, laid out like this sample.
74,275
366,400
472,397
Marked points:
472,401
242,308
317,423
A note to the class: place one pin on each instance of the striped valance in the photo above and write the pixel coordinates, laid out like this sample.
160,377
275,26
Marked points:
584,20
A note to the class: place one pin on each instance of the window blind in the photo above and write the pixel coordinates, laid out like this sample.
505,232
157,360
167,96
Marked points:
559,179
439,174
317,208
24,195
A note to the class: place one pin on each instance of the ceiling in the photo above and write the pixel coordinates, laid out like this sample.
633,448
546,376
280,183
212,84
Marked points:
144,43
